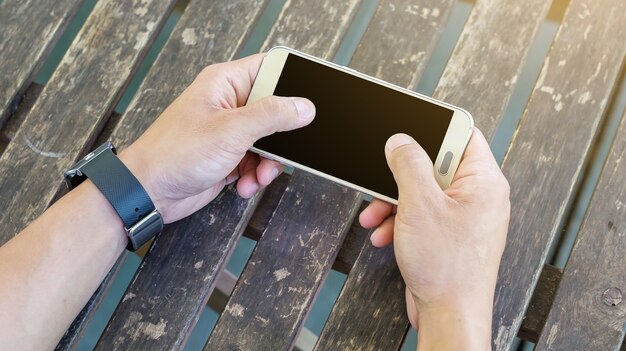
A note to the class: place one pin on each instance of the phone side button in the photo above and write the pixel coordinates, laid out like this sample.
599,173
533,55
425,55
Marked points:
445,164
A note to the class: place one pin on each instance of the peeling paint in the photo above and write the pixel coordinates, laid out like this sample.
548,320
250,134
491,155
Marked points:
236,310
281,274
189,36
128,297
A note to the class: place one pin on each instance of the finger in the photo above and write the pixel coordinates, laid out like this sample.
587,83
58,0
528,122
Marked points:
234,77
383,235
375,213
411,309
267,171
411,167
477,156
269,115
248,184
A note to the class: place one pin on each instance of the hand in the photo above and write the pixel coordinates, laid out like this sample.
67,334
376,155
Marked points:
200,142
448,244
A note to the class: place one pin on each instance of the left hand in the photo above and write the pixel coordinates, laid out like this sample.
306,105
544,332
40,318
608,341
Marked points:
200,142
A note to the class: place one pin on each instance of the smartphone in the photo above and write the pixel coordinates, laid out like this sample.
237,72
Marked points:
356,114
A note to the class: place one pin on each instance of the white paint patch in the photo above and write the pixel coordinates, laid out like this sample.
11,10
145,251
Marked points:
562,63
281,274
189,36
236,310
153,331
412,9
140,40
559,106
141,11
549,90
263,321
552,335
587,32
620,205
584,97
198,264
41,152
128,297
150,25
211,219
435,12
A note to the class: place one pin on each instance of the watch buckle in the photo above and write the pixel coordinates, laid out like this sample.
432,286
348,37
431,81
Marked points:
144,230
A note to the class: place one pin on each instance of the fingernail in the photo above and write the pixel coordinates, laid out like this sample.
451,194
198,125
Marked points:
398,140
275,172
306,109
373,236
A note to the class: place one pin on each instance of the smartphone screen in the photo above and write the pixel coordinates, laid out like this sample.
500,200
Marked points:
354,119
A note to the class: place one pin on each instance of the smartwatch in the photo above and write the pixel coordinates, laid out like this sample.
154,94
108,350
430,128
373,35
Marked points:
130,200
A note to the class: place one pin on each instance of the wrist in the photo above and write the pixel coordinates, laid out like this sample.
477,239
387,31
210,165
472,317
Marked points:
456,326
141,170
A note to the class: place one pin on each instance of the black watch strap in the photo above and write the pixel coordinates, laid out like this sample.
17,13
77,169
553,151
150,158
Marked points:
127,196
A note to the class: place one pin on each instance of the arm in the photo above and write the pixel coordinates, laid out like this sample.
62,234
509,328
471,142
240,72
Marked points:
196,147
448,244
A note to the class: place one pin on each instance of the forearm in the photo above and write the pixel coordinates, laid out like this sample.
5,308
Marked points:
49,271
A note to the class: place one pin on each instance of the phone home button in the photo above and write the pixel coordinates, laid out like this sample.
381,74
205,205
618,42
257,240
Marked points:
445,164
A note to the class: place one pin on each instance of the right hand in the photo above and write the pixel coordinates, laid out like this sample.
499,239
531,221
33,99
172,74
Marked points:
448,244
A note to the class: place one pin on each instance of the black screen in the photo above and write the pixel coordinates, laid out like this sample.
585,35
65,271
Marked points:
354,119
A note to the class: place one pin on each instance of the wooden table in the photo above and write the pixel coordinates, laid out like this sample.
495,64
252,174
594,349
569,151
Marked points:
305,225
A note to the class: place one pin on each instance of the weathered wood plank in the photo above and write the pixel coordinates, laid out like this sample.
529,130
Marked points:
73,105
164,301
286,269
314,27
589,311
540,303
215,36
549,149
29,29
400,39
370,313
17,117
492,49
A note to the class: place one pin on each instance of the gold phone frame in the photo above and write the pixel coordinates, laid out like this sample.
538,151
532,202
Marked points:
455,140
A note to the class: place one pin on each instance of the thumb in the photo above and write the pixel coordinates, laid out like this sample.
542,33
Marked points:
273,114
411,168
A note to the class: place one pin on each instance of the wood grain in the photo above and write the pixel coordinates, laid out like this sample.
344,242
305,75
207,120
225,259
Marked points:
73,105
370,313
287,267
488,59
29,29
400,40
19,114
314,27
540,304
546,157
170,289
589,311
